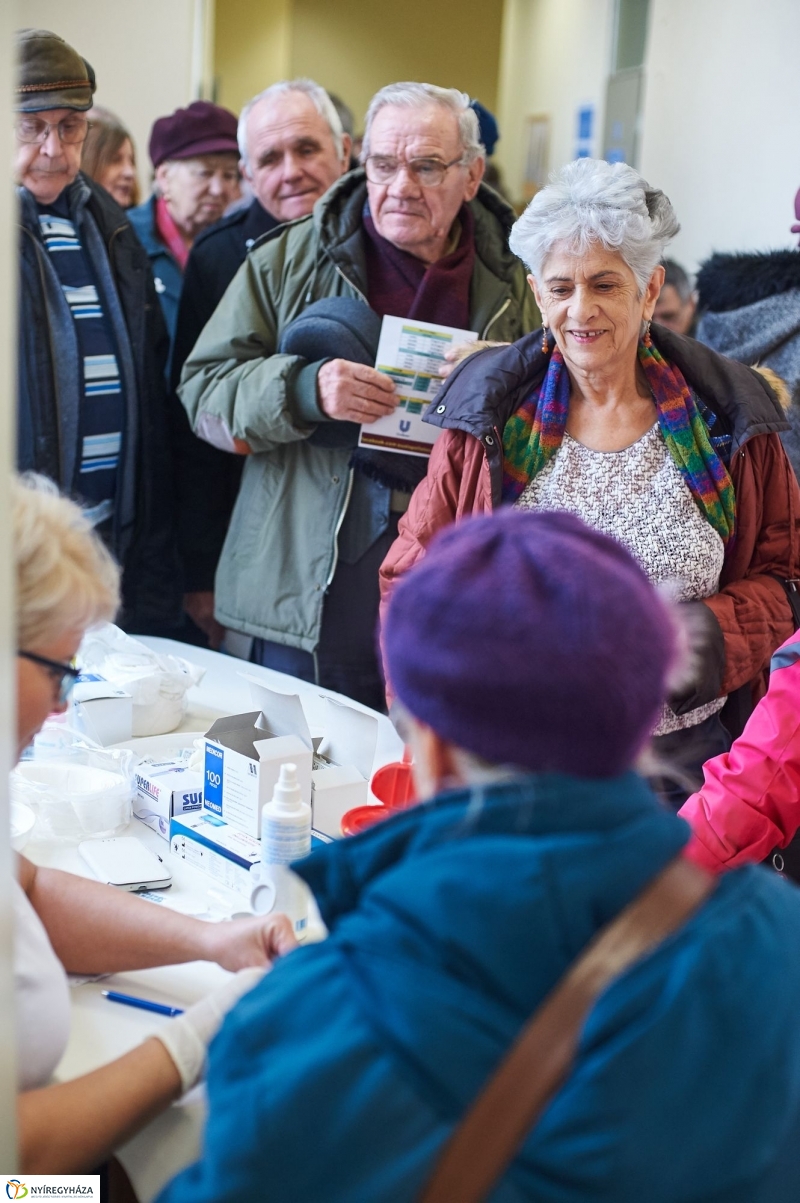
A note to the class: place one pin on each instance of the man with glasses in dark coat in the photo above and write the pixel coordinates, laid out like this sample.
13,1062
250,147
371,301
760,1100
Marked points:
92,341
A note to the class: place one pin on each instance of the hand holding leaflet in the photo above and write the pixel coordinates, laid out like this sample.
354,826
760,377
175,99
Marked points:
413,354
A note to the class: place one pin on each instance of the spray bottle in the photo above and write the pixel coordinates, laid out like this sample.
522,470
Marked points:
285,837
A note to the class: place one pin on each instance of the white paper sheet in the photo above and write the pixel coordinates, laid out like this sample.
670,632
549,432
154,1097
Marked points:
411,352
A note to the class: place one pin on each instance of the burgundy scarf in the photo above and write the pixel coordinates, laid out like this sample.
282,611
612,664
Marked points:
403,286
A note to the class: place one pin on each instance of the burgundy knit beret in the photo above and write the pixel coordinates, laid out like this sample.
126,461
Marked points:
202,128
531,640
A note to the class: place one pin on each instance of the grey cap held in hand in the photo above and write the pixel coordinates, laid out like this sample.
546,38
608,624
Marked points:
51,74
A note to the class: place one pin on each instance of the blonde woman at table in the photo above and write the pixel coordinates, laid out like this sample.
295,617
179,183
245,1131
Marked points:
66,582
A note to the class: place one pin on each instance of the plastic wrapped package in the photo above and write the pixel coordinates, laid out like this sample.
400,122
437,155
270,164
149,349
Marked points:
22,823
157,683
73,786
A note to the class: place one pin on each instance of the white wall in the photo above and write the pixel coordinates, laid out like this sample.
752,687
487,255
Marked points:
144,54
720,122
719,129
9,13
554,58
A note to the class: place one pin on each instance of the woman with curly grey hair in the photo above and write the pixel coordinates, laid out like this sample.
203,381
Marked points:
648,436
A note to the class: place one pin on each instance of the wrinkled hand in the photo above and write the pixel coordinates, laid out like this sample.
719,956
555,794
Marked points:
187,1037
352,392
200,608
455,355
250,942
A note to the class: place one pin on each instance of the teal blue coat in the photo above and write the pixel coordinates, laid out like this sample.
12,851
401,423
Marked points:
166,270
339,1078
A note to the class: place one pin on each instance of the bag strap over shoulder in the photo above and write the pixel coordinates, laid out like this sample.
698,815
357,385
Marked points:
487,1139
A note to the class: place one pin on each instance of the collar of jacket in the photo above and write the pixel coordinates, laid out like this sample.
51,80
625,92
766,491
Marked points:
78,195
527,806
143,220
485,389
254,219
337,221
81,193
728,282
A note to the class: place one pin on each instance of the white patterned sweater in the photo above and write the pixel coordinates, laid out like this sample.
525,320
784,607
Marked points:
638,497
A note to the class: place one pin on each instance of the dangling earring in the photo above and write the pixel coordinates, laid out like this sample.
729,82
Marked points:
545,344
647,340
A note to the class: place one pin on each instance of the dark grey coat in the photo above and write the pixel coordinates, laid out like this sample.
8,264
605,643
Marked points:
49,396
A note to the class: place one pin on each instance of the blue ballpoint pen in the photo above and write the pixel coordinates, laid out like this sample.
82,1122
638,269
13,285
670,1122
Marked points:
143,1003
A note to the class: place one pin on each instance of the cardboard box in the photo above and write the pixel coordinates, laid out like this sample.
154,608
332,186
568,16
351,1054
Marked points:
101,711
220,851
244,753
216,849
165,788
343,765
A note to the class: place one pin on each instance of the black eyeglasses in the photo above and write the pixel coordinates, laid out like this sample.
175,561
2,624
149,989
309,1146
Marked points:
65,675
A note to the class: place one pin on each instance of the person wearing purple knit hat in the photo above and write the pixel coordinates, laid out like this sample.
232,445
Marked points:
531,656
500,673
195,156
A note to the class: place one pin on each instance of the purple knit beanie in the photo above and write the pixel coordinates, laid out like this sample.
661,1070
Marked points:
531,640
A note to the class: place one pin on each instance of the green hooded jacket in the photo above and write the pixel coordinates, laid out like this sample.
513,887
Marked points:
280,552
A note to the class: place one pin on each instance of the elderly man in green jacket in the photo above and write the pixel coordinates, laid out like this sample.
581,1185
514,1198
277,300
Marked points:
282,373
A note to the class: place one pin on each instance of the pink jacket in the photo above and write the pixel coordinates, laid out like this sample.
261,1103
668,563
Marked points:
750,801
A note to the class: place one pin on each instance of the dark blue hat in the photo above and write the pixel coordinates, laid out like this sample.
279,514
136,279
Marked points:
334,328
487,123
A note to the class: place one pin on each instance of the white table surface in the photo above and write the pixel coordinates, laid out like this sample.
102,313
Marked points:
101,1030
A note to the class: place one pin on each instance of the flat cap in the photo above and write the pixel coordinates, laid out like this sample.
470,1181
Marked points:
51,74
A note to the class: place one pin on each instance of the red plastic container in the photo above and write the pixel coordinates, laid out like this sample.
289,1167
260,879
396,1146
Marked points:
361,817
393,785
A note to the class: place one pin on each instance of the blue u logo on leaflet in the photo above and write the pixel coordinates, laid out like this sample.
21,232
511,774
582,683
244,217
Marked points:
212,783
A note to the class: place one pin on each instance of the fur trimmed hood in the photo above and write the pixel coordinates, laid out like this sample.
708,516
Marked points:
750,311
728,282
778,385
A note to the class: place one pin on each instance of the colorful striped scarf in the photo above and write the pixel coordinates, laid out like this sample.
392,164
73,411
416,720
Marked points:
533,435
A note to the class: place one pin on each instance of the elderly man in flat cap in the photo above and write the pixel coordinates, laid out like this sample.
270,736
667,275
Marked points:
92,340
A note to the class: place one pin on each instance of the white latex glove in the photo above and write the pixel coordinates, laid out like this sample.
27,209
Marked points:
187,1037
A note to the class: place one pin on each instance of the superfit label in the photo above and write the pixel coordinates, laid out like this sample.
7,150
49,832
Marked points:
212,780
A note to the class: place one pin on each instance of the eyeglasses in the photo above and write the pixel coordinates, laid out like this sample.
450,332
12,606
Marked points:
65,675
34,129
430,173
